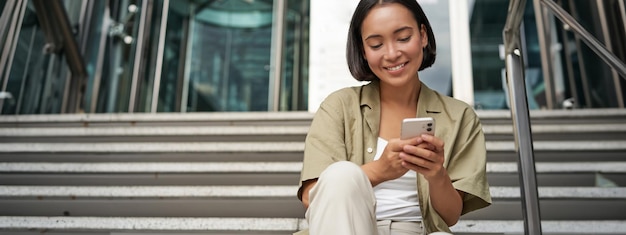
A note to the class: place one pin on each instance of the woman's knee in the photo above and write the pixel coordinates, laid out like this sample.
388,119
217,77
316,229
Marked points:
344,176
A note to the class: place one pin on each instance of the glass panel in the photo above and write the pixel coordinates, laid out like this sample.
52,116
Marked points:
229,56
173,55
295,57
37,79
601,84
146,82
93,49
486,23
116,77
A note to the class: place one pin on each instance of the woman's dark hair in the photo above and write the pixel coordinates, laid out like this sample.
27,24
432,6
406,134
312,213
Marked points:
357,64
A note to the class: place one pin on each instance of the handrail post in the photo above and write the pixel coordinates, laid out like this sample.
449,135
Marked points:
521,118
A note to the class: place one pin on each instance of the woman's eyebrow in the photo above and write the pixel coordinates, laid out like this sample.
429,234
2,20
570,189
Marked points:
394,32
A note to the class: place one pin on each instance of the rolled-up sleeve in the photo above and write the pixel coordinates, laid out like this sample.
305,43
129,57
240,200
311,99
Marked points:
467,165
325,143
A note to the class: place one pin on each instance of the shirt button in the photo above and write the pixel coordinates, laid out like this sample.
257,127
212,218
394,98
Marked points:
370,150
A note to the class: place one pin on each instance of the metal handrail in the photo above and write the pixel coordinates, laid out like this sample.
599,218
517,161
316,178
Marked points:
519,104
521,118
587,37
59,35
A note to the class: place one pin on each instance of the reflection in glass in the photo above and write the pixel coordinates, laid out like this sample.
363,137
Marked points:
217,56
116,74
37,79
294,90
226,45
486,24
195,55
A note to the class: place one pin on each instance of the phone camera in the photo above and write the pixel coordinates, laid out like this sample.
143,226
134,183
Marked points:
430,124
429,129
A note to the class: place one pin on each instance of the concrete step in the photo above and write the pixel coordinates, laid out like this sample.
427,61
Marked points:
133,192
160,119
268,167
272,201
155,134
156,171
488,117
605,131
497,151
268,173
168,147
246,225
219,179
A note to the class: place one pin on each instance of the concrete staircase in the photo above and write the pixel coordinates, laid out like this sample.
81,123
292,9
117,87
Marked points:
237,173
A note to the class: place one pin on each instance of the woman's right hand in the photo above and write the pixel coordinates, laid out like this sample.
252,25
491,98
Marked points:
389,165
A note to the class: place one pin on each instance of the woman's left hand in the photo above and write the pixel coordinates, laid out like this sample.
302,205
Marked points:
426,157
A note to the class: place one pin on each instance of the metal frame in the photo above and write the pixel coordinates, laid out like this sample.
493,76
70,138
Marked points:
607,42
543,30
139,49
622,7
276,63
295,77
6,61
159,63
582,65
100,60
4,20
73,56
191,25
183,67
521,118
8,34
592,42
568,63
142,67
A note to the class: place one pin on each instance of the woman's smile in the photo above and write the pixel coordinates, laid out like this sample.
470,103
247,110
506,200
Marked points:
396,67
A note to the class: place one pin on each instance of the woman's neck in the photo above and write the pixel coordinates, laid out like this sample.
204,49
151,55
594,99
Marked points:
405,96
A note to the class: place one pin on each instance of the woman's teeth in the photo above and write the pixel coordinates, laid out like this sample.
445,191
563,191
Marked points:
395,68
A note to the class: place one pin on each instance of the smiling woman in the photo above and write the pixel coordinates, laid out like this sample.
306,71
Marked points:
358,176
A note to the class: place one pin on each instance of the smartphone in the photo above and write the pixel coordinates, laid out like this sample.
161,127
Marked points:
413,127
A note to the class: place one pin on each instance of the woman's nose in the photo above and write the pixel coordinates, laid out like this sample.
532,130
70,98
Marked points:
392,52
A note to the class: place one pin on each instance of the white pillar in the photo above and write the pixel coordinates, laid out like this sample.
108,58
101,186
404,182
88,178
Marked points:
328,68
462,79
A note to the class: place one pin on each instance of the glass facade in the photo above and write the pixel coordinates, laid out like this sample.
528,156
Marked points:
166,56
576,73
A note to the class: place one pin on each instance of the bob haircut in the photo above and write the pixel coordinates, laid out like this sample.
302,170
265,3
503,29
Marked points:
355,54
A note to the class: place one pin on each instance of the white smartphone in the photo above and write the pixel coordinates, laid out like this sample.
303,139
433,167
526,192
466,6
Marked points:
413,127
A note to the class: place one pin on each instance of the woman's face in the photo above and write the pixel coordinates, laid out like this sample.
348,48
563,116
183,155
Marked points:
393,43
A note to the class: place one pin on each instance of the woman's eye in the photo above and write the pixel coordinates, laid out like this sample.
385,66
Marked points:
405,39
376,46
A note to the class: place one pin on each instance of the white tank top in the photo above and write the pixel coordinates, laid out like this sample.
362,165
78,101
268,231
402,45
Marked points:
397,199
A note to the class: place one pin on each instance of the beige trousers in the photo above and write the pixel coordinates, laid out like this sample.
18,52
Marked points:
343,202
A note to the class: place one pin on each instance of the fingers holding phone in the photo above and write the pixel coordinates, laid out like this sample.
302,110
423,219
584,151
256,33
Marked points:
425,157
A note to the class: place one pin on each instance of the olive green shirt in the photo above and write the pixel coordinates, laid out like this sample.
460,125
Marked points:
346,128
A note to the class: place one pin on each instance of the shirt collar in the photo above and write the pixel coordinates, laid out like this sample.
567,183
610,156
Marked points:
370,105
428,104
